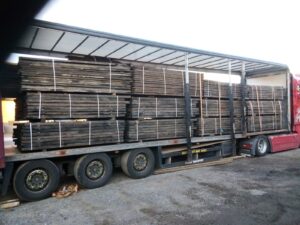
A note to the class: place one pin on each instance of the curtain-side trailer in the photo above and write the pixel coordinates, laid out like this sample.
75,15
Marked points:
35,174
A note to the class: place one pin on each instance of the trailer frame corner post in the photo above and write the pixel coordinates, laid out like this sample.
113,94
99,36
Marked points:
243,101
2,155
187,109
231,110
288,100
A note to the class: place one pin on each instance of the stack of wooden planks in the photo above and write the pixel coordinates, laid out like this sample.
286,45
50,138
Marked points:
266,108
215,108
40,136
155,129
160,107
53,105
158,81
74,76
215,89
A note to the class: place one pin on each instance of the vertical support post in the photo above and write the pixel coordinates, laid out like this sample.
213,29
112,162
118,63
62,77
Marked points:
243,101
288,100
187,109
2,163
231,110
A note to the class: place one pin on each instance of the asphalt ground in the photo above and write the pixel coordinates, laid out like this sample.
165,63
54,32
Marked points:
263,190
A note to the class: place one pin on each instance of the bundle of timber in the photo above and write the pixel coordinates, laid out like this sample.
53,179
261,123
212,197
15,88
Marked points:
266,92
53,105
40,136
160,107
264,107
74,76
154,80
216,108
143,130
216,126
266,123
216,89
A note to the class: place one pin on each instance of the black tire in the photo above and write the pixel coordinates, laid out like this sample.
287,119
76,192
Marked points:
128,163
35,180
87,167
262,146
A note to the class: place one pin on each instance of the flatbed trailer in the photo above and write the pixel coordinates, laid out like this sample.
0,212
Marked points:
56,40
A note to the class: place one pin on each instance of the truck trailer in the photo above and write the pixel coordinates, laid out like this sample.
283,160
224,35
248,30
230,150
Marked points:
210,119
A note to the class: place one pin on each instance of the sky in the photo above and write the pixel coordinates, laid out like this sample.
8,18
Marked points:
261,29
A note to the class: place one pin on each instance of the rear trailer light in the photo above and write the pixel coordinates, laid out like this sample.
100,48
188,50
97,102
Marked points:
247,146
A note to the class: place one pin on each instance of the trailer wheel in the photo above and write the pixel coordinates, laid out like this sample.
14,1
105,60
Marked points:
35,180
92,171
262,146
138,163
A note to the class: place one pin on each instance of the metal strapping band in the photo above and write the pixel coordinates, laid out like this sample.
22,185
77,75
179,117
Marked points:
175,128
137,129
208,90
90,132
157,131
206,107
59,128
176,110
54,75
216,129
143,80
70,104
110,77
118,130
40,105
117,106
139,103
30,130
273,93
165,82
98,105
156,107
192,114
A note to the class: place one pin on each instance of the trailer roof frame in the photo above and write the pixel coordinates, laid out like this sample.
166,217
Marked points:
53,39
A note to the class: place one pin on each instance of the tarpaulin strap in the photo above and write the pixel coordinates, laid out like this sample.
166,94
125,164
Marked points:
70,104
219,103
280,110
196,83
98,105
30,130
182,75
59,129
258,106
90,131
118,130
137,129
157,130
139,104
109,77
201,104
176,110
143,74
40,105
165,83
117,106
54,75
156,107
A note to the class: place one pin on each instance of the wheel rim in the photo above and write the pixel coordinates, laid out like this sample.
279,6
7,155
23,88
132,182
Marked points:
140,162
37,180
95,169
262,146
